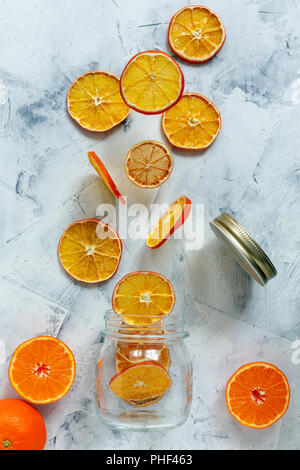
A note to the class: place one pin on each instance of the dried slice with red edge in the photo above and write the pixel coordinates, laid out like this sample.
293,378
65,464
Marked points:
105,176
172,219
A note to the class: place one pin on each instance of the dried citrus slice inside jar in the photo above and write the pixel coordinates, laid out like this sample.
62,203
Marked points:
147,402
196,33
42,370
142,381
90,250
172,219
258,394
143,297
105,176
95,103
149,164
135,354
151,82
193,123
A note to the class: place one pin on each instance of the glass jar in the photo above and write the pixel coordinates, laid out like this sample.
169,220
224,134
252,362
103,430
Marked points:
144,374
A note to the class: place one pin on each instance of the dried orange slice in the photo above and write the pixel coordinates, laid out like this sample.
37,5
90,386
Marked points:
127,357
142,381
142,297
193,123
172,219
151,82
105,176
95,103
258,394
149,164
141,403
42,370
196,33
90,250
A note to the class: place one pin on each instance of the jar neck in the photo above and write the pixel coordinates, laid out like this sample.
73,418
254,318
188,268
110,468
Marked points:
148,328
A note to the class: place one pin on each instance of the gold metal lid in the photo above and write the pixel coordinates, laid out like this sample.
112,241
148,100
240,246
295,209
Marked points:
243,248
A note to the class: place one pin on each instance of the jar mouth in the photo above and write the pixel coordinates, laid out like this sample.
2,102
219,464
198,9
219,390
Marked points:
146,327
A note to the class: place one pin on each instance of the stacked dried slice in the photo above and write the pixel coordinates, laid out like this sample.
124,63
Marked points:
142,358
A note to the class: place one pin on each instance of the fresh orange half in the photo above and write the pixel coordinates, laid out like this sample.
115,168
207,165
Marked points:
95,103
90,250
42,370
258,394
193,123
151,82
142,381
149,164
143,297
196,33
172,219
127,357
105,176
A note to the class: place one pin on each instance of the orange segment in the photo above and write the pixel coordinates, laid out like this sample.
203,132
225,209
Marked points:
193,123
142,381
104,175
90,250
196,33
42,370
151,82
141,297
258,394
126,357
95,103
172,219
149,164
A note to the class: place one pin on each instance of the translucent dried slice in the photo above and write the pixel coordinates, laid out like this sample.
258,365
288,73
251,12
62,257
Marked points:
126,357
196,33
193,123
143,297
149,164
105,176
143,381
151,82
95,103
172,219
90,250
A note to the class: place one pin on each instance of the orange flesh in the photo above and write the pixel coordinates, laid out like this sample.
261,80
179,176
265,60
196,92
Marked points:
196,34
193,123
141,297
165,224
148,164
141,382
42,370
257,395
151,82
90,250
95,102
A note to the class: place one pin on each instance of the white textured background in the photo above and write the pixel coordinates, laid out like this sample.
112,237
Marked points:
252,171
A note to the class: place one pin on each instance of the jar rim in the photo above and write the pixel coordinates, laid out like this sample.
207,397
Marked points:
155,327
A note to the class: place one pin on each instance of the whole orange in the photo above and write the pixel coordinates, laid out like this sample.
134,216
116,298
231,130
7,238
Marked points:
22,427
